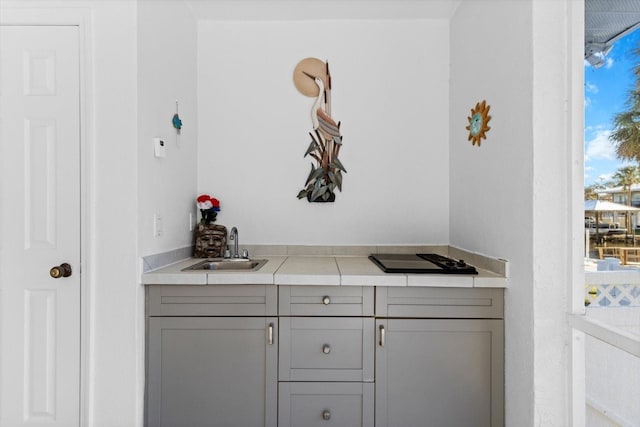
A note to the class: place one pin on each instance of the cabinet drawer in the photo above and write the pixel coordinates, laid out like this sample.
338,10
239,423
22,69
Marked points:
215,300
326,349
481,303
326,301
325,404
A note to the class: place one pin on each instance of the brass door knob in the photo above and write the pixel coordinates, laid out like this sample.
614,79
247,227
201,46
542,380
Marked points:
63,270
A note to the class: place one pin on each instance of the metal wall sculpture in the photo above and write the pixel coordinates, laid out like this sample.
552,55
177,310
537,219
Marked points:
312,78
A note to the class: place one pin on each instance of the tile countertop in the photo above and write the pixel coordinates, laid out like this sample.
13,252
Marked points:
333,270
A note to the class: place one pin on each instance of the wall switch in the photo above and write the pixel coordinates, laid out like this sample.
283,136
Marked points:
159,147
157,225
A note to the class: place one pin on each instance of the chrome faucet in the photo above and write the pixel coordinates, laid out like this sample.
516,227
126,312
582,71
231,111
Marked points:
234,236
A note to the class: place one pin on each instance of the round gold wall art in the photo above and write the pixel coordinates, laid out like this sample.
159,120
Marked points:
478,122
314,67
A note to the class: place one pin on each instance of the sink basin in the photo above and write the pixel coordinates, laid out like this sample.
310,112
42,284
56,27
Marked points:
228,264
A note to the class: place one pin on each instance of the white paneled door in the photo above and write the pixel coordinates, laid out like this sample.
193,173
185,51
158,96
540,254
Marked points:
39,226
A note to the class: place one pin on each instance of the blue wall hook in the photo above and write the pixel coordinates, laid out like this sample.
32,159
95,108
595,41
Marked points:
177,123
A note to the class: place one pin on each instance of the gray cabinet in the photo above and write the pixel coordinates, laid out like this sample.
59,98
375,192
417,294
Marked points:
215,371
304,356
440,371
326,359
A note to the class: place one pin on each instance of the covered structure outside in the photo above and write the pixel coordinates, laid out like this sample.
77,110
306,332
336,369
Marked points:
620,194
594,229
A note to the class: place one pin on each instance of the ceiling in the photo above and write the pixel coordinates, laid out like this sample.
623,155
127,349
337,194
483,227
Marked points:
285,10
605,21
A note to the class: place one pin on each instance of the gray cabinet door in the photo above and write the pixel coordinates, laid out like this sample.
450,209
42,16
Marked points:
212,371
439,372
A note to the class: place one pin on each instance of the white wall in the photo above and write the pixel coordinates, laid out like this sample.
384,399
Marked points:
390,90
166,73
516,187
113,199
558,37
167,70
491,185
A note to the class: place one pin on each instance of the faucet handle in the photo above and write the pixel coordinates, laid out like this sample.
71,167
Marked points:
245,253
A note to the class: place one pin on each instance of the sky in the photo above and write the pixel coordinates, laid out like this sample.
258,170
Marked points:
605,94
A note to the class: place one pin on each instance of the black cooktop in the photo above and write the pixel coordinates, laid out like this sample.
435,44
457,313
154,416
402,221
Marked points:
421,264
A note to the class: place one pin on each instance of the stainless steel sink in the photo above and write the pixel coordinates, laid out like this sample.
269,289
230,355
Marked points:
228,264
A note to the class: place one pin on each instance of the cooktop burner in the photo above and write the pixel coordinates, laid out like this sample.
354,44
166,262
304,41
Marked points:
421,264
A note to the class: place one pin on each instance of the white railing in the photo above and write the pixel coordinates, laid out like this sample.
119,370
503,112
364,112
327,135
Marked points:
611,335
612,347
613,295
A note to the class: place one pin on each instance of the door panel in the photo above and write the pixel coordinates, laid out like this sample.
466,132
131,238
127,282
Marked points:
212,371
39,225
439,372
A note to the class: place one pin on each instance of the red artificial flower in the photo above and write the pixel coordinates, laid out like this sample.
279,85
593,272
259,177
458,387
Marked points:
206,202
203,198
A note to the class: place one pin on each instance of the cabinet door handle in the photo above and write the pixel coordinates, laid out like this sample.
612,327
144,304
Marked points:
382,336
326,300
326,415
326,349
270,334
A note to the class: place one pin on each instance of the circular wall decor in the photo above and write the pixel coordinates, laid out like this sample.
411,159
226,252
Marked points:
303,83
478,122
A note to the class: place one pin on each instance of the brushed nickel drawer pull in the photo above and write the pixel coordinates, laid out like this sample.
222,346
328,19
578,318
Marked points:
270,334
381,335
326,415
326,300
326,349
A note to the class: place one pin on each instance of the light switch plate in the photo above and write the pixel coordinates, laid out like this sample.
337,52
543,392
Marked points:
159,148
157,225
